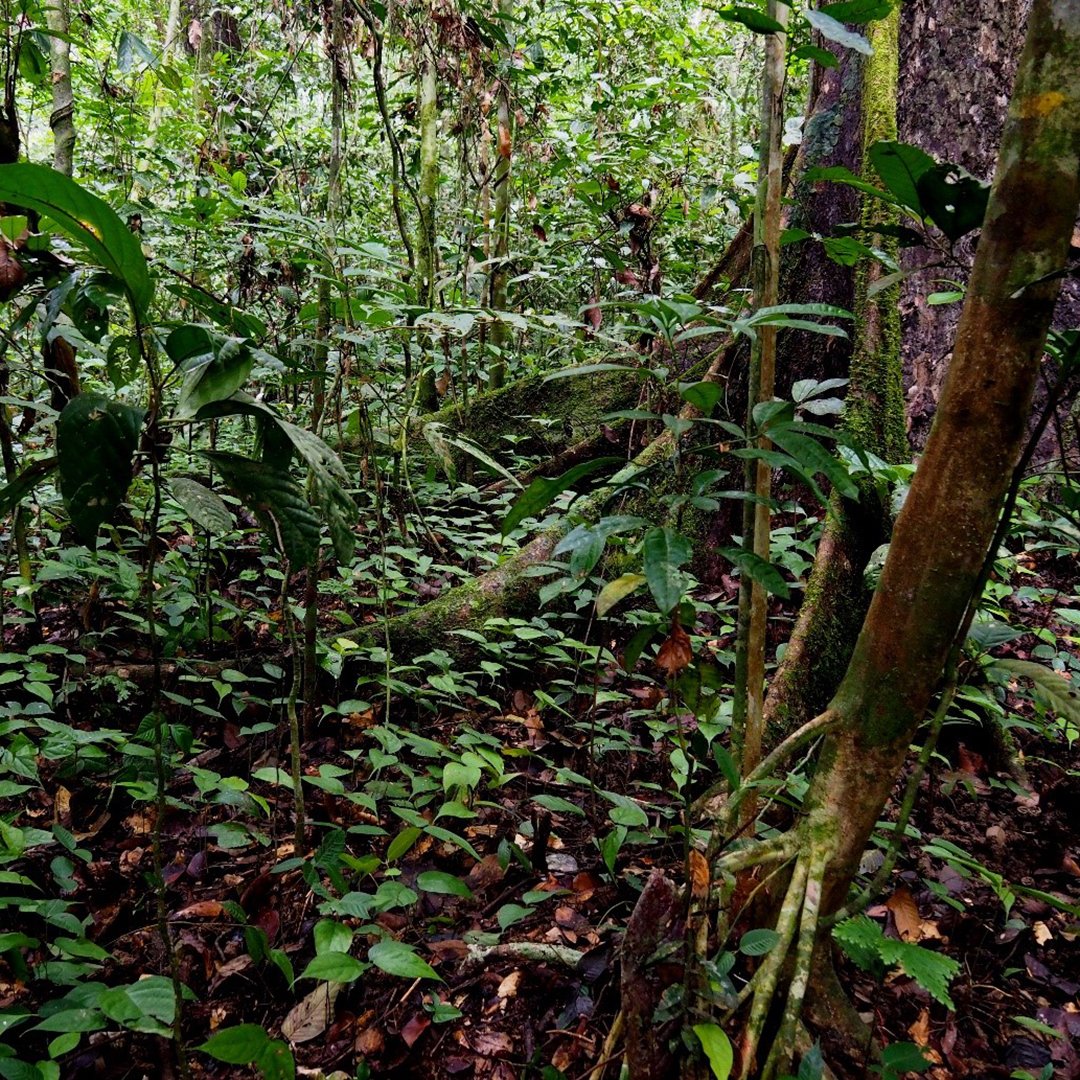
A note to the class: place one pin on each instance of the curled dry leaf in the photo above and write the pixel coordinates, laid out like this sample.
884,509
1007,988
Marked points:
699,875
905,912
311,1017
675,654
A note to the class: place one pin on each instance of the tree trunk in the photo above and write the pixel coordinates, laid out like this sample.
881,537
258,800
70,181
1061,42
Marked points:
62,119
747,720
942,537
427,193
500,225
949,519
835,600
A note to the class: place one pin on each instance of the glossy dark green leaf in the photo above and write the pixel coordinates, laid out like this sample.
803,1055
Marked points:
664,551
84,218
954,200
858,11
758,569
96,442
12,494
401,959
753,19
203,506
821,57
900,166
543,491
278,503
239,1045
215,367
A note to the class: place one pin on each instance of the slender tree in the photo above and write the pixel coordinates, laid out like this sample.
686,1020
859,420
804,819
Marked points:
62,119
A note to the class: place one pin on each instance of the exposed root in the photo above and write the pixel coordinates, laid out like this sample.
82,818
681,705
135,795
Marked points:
767,976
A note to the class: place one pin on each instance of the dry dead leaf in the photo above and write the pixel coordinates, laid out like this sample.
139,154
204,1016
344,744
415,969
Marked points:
676,653
905,913
311,1017
1042,933
415,1028
699,875
920,1030
201,909
508,988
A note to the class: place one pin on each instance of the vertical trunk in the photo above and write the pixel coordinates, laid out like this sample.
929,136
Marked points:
835,600
753,601
62,119
949,519
427,193
500,226
171,48
338,83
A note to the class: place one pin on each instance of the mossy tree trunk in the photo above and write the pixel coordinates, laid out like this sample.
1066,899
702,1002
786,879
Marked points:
427,190
835,599
950,516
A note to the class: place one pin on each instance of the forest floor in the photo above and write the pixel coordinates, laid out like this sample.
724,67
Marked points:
475,884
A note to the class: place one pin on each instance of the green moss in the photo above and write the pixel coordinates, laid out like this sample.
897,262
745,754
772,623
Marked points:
875,414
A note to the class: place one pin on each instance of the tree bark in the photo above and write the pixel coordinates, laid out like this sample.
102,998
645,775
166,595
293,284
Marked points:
951,513
62,119
500,224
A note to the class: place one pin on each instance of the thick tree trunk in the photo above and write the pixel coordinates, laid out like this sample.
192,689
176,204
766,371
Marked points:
951,513
835,600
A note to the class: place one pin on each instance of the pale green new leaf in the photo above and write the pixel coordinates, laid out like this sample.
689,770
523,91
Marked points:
717,1047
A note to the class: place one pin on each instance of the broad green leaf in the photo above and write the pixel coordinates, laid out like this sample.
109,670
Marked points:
85,219
239,1045
717,1047
900,166
443,884
901,1058
72,1020
829,28
858,11
617,590
756,21
758,942
152,998
96,441
544,490
276,1061
402,842
509,914
758,569
703,395
1058,692
814,458
401,959
592,369
558,805
203,506
12,494
331,480
332,936
664,551
821,57
276,501
130,49
337,967
214,373
954,200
